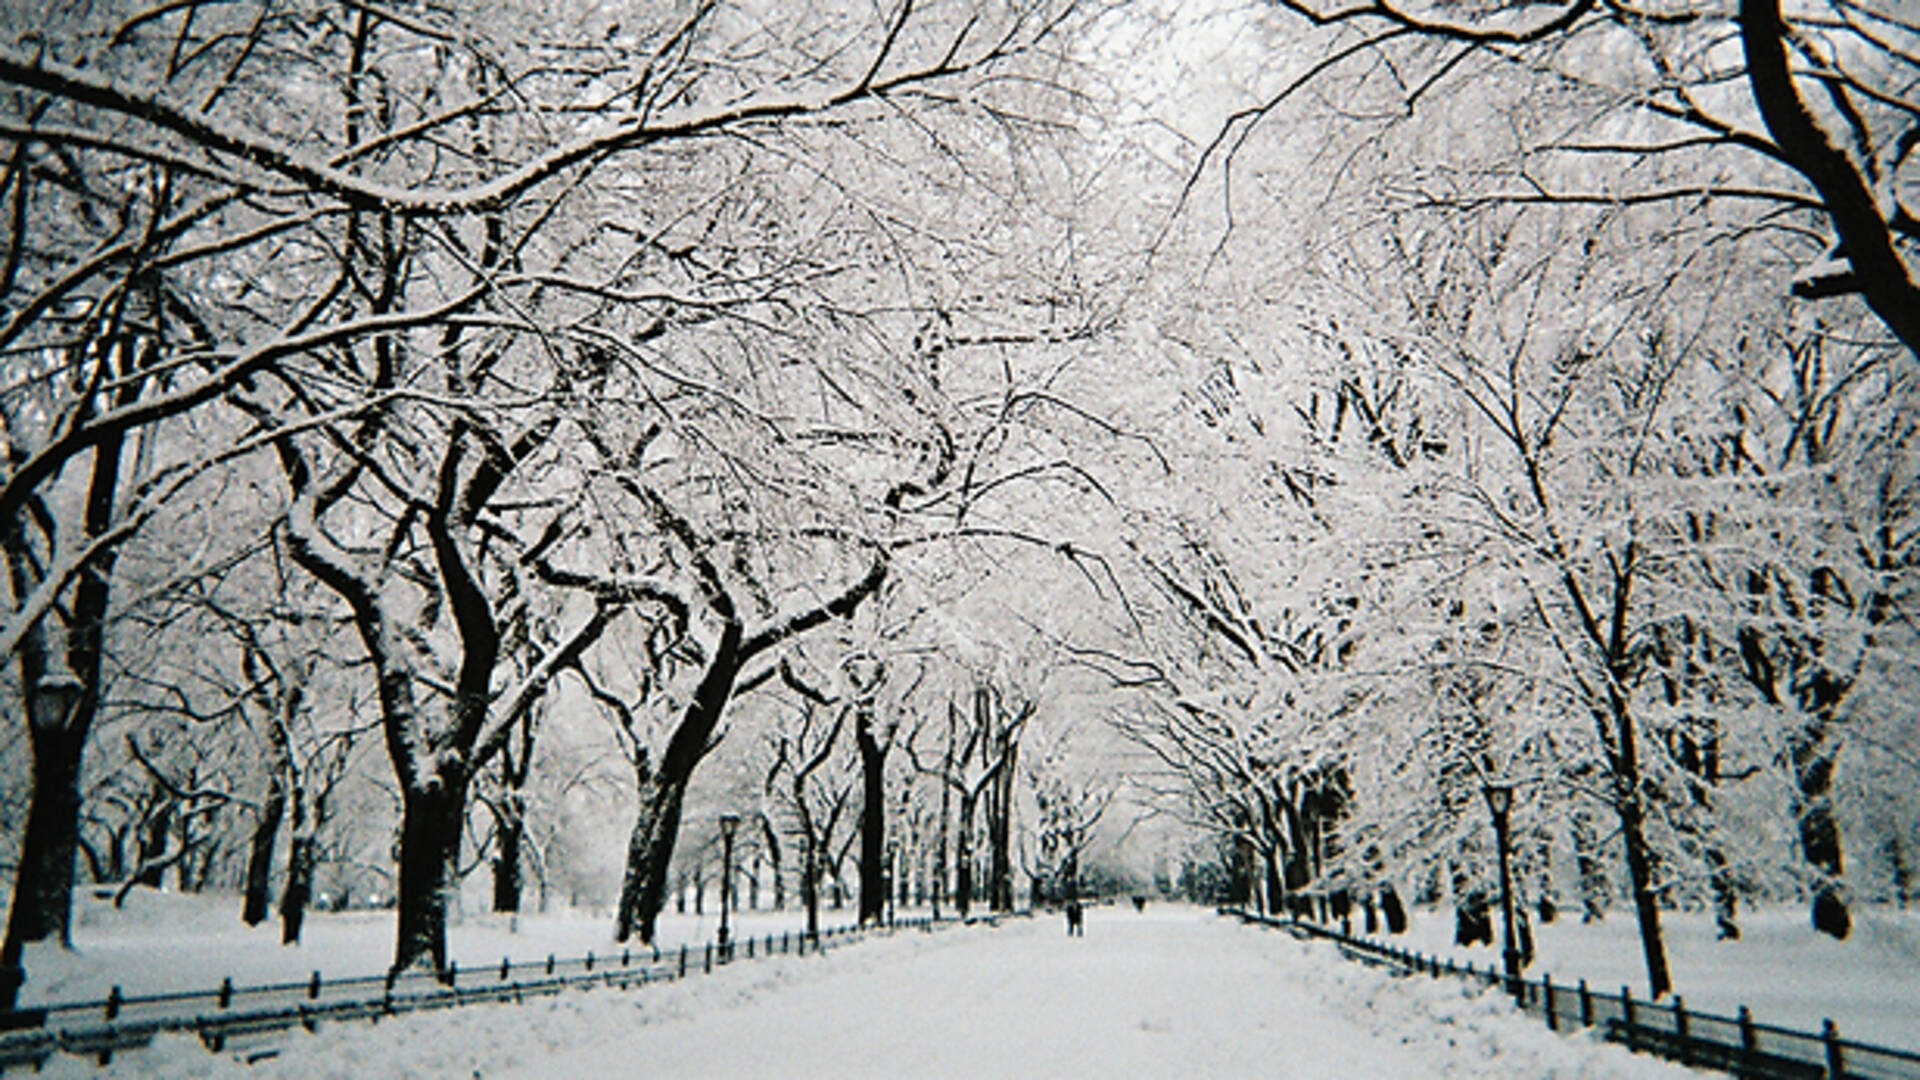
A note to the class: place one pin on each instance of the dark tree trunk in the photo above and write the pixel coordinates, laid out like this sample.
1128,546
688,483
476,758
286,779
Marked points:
658,825
1394,910
43,886
649,854
810,883
60,685
151,849
508,838
1000,833
1813,765
963,859
299,890
1902,868
873,820
266,833
432,819
1473,921
1640,871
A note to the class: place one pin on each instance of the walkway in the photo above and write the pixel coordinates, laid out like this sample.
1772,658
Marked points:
1171,992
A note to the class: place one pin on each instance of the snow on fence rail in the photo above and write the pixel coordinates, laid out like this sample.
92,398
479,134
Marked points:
1734,1045
235,1015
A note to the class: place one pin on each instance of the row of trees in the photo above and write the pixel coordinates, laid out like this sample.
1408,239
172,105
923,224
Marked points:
1576,457
369,368
567,402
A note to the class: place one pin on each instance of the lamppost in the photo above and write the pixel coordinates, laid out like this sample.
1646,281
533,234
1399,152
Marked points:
1500,801
728,823
59,692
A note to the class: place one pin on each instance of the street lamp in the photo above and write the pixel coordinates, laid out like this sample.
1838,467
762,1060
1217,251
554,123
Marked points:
728,823
52,709
1500,801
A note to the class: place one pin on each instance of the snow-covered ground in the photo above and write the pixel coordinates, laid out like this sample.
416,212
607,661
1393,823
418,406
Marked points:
165,942
1789,975
1176,991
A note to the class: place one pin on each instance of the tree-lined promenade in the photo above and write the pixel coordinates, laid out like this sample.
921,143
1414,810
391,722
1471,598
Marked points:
977,450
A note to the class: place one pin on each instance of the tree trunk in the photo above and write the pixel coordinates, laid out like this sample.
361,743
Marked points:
42,907
1394,910
1640,857
1640,869
60,683
946,816
1591,865
1813,762
810,882
772,841
266,833
299,890
508,839
873,820
1276,891
1000,833
149,856
432,819
649,854
963,859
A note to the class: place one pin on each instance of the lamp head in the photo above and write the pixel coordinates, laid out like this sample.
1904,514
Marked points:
728,823
1500,798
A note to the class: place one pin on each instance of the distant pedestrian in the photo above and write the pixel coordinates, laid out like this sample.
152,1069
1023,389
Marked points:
1076,920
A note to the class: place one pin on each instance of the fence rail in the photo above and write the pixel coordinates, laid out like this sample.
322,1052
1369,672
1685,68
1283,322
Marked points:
232,1019
1735,1045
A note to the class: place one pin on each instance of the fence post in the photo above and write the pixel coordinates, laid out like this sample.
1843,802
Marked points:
549,963
749,946
1749,1039
706,965
1586,1005
453,973
506,967
313,987
1836,1064
1546,988
1680,1016
625,957
114,998
683,960
226,991
589,959
1626,1007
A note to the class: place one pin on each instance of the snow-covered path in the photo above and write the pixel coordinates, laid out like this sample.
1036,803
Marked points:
1150,994
1173,992
1169,993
